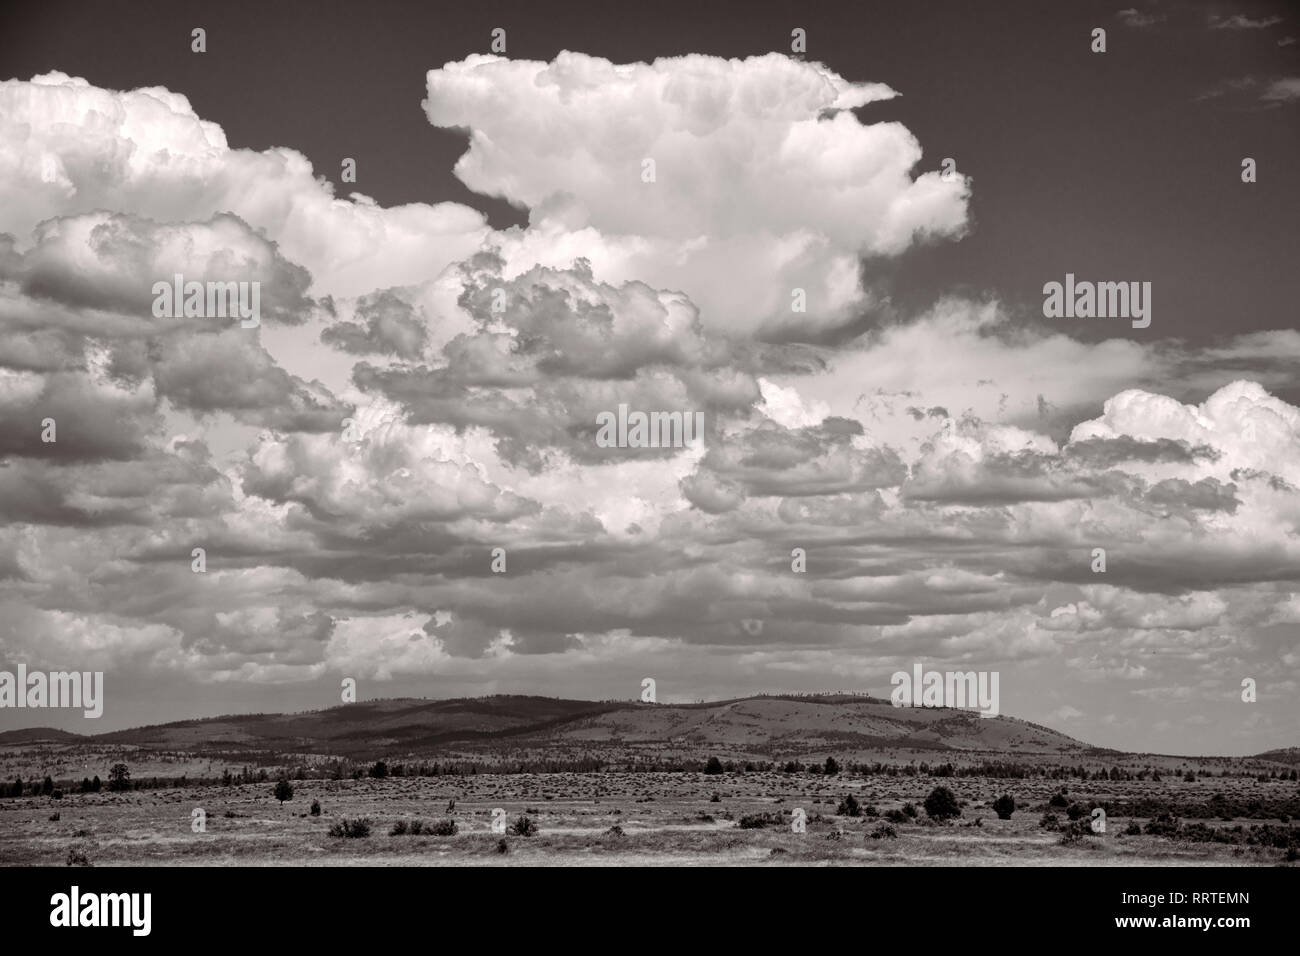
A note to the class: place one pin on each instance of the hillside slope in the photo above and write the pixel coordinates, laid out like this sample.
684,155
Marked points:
540,726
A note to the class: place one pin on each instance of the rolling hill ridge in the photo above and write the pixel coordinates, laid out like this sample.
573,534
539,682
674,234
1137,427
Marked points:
541,727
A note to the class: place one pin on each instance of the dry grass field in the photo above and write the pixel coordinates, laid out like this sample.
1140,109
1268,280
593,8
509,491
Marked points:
620,818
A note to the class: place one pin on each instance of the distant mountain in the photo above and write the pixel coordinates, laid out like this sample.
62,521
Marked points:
1289,755
32,735
511,727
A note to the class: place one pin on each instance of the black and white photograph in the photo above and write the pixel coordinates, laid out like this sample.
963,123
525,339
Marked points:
650,434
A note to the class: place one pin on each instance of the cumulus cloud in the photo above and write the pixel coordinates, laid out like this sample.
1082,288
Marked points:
947,475
764,179
70,148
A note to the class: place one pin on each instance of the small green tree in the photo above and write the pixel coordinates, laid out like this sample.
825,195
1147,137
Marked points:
831,766
1004,806
849,807
119,777
283,791
379,771
941,804
714,766
524,827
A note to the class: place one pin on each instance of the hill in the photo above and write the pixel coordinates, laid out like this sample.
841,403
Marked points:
509,726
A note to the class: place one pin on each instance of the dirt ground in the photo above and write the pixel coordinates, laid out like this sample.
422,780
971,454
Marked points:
664,818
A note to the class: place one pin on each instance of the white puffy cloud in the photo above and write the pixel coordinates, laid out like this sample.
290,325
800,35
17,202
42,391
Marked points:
764,180
67,148
1251,427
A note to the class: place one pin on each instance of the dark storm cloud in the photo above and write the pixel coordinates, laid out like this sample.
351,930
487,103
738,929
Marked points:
1179,495
554,349
90,422
229,371
111,262
1007,478
1109,452
772,460
390,326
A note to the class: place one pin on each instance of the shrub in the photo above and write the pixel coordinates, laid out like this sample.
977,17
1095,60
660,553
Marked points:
615,831
76,858
849,807
54,816
870,810
1074,832
399,829
909,809
443,828
379,771
1058,800
1049,821
351,828
1165,824
896,816
716,798
941,804
713,767
1076,811
315,808
1133,829
831,766
283,790
757,821
524,827
503,846
883,831
119,777
1004,806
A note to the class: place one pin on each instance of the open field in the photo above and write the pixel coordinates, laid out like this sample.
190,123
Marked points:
620,783
661,819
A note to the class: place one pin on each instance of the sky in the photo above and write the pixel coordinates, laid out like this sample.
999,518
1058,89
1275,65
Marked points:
438,339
